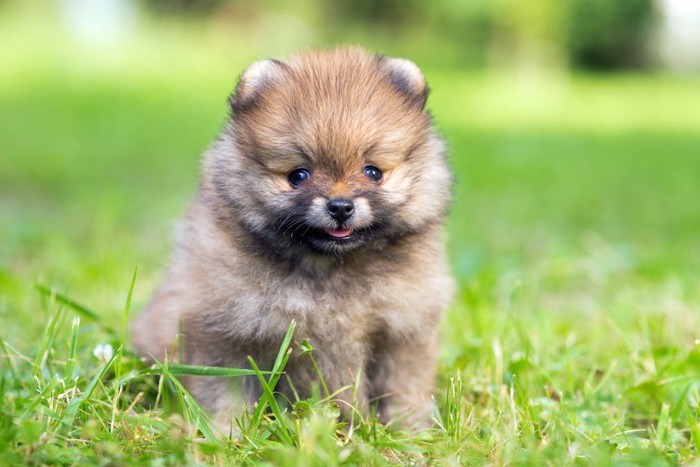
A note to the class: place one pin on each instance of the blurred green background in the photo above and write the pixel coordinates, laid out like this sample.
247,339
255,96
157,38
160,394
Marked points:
573,127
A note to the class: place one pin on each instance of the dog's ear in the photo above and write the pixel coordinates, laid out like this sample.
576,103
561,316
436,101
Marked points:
258,77
407,78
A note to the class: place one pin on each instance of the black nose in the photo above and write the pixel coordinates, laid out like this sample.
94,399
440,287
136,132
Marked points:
340,209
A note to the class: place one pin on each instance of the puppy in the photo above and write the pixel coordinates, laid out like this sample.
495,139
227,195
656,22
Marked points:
322,201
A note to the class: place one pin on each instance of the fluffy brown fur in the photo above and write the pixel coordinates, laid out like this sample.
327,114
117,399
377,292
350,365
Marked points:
261,247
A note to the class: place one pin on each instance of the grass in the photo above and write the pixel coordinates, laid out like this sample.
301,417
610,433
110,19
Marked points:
573,338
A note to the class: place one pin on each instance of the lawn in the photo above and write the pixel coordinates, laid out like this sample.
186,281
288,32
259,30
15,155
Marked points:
574,338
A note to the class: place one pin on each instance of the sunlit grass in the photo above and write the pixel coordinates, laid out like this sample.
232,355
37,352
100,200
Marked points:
573,338
599,104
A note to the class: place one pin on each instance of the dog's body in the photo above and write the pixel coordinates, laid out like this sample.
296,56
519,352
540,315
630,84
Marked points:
322,201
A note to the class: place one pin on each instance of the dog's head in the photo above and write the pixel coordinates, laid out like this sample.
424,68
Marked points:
331,151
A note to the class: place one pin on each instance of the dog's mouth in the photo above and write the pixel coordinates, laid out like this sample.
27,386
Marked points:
337,240
339,233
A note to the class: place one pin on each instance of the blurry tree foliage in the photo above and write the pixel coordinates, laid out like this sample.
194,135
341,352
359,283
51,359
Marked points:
608,34
193,7
593,34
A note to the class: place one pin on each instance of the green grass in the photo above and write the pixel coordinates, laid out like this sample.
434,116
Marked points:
574,236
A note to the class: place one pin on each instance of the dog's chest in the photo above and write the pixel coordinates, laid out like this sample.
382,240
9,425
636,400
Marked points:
340,309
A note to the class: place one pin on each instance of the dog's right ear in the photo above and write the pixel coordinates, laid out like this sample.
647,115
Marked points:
253,82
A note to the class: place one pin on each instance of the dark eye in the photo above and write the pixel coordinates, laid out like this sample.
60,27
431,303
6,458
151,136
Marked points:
298,176
373,173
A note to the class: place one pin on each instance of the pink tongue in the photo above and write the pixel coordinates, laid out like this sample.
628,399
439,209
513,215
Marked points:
339,233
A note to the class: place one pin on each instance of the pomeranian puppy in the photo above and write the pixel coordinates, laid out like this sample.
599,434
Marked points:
322,201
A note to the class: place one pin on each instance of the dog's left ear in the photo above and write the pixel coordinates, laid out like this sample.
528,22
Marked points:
407,78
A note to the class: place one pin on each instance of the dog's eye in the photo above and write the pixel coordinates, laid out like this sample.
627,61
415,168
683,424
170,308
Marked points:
373,173
298,176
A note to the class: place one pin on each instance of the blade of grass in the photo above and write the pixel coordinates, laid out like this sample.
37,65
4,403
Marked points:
47,340
125,319
82,310
282,354
190,370
193,370
196,414
681,402
65,300
603,380
72,349
127,304
10,364
663,427
280,363
284,431
308,350
40,398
